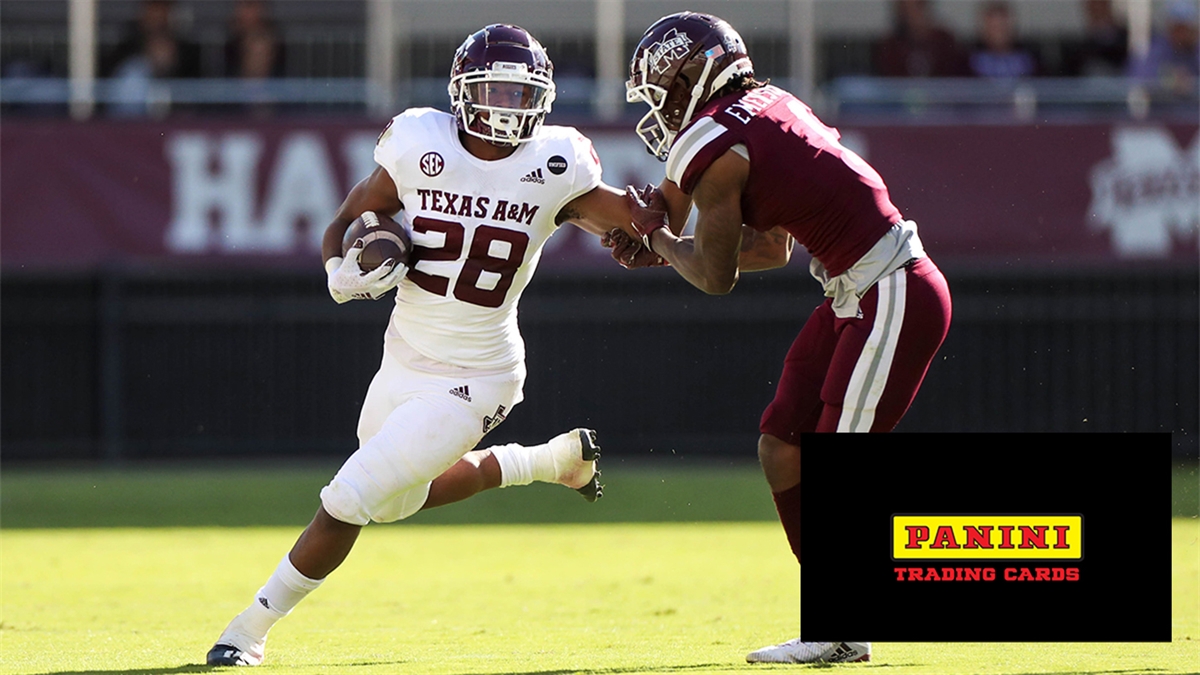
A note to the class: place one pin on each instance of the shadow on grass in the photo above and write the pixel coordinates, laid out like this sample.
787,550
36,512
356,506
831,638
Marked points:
839,667
187,668
201,668
892,664
194,668
689,668
1127,671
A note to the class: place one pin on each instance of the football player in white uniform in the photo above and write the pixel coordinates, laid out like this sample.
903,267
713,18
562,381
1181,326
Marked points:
480,190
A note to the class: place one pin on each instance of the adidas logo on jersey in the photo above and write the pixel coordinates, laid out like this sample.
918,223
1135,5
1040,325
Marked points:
462,392
534,177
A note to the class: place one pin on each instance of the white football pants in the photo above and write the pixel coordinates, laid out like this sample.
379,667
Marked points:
420,416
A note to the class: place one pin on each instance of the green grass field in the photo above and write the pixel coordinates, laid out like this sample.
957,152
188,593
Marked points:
679,569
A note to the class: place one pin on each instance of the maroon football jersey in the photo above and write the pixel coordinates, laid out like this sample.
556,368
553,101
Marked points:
801,178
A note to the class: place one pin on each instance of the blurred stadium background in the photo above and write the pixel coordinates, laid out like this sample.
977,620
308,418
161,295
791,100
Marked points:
166,169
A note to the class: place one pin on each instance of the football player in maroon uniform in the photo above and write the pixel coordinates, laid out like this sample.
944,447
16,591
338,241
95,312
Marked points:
762,172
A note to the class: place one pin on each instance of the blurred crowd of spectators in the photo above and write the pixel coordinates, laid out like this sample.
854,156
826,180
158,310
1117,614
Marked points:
153,47
920,46
1173,57
917,46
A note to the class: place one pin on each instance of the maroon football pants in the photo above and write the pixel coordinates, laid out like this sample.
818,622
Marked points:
862,374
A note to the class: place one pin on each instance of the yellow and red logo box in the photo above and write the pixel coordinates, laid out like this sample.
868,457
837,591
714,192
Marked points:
987,537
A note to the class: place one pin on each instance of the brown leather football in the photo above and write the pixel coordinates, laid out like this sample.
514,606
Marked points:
382,237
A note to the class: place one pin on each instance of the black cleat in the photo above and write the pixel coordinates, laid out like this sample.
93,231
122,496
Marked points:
591,452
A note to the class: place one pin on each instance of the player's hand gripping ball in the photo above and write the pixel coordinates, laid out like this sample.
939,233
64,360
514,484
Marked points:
375,257
382,238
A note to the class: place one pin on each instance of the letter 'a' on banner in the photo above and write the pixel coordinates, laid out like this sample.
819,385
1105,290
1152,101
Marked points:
986,538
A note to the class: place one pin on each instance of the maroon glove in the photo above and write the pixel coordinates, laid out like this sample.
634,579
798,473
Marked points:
629,252
648,211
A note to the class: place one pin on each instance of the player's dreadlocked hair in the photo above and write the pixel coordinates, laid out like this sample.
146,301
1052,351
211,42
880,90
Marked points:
740,83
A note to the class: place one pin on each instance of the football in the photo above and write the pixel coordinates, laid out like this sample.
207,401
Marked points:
383,238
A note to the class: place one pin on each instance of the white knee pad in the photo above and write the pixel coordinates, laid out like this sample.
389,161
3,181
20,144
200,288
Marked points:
342,500
388,478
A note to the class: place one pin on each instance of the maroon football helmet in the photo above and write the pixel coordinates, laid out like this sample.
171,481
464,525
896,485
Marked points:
501,85
682,60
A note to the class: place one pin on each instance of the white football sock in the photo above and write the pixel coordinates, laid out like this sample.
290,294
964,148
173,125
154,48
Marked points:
275,600
520,465
286,587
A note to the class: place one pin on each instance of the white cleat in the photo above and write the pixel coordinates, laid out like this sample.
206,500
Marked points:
795,651
236,648
575,454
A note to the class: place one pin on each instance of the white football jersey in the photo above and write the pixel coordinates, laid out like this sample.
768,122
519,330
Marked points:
477,229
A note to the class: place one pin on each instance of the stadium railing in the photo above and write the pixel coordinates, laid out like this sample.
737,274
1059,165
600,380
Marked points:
1025,98
909,98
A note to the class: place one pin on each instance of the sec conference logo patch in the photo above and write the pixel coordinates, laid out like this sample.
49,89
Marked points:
432,164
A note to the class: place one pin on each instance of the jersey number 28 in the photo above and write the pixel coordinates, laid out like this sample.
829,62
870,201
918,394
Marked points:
479,260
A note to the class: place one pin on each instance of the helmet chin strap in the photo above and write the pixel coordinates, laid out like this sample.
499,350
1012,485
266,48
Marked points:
697,92
723,78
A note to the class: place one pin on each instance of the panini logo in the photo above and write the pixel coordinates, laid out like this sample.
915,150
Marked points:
987,537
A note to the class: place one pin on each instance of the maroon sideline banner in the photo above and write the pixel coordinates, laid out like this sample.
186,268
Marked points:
85,195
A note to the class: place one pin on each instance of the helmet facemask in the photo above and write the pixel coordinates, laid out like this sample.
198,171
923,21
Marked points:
653,128
504,104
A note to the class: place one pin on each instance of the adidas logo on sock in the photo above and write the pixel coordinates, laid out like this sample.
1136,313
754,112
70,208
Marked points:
462,392
534,177
263,601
